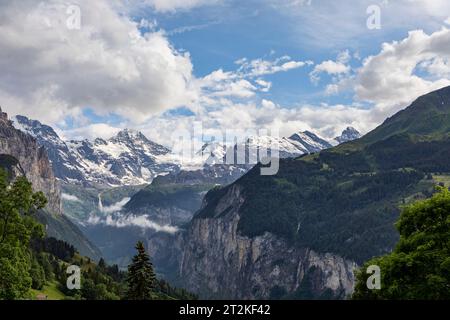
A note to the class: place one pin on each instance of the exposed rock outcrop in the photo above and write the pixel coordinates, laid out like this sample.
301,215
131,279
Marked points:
217,262
21,155
33,159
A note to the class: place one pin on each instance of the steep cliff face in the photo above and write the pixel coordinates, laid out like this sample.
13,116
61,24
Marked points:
33,159
21,155
217,262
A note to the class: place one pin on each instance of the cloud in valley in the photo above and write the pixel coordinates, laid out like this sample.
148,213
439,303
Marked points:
142,222
69,197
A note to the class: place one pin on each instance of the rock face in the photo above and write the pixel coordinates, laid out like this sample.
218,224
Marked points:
33,160
21,155
12,166
347,135
217,262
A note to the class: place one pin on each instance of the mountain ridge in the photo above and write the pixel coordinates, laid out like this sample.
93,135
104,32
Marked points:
130,158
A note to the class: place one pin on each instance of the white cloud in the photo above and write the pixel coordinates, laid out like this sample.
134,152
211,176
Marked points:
328,121
264,85
133,221
338,67
107,64
247,80
173,5
69,197
261,67
438,66
115,207
91,131
330,67
289,4
391,80
447,21
342,24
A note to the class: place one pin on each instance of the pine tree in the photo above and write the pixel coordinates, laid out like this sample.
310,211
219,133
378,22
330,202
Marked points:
141,277
102,264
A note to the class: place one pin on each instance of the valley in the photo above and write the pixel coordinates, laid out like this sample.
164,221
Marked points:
225,231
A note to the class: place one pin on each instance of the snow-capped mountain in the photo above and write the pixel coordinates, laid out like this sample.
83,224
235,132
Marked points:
349,134
128,158
213,153
66,165
257,147
309,142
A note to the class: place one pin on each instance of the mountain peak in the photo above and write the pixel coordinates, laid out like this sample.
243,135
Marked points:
349,134
42,132
428,115
129,134
310,141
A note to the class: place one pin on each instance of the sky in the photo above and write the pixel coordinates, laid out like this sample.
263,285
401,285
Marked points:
92,68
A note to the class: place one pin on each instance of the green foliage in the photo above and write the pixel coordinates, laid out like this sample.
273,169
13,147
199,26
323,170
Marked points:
186,197
166,292
32,265
14,272
419,266
37,275
17,204
141,279
427,116
59,249
338,210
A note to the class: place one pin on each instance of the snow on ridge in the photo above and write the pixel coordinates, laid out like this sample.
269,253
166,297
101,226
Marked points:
130,158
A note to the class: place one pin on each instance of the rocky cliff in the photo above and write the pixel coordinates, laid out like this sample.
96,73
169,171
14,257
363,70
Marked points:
33,159
218,262
20,154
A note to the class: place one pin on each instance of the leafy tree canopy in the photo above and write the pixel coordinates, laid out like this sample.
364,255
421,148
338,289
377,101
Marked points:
419,266
17,227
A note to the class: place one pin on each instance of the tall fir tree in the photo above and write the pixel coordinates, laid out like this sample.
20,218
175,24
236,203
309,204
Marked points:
141,277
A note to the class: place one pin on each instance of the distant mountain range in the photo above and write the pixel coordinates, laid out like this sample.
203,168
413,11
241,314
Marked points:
130,158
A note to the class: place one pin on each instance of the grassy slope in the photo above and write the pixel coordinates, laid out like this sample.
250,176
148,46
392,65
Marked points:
186,197
50,290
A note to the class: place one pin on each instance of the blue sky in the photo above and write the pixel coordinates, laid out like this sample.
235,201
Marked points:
159,65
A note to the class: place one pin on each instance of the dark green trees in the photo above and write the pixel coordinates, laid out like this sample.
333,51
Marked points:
419,267
17,227
141,277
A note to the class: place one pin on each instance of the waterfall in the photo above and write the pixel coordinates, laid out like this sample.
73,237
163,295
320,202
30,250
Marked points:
100,204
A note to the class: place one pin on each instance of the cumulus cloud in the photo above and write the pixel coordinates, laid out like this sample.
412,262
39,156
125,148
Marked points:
404,70
50,70
330,67
90,132
247,80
